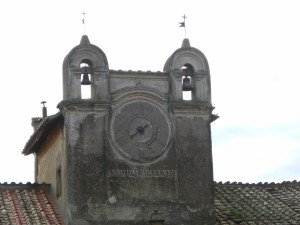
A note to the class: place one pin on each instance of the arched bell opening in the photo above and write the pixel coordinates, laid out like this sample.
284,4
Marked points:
86,79
187,82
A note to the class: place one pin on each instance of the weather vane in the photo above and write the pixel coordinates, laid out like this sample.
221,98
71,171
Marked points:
83,21
182,24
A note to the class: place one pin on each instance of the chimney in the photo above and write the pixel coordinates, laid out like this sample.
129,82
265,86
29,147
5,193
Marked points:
44,109
35,122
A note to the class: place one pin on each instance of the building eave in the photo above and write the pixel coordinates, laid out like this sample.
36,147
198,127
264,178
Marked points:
39,135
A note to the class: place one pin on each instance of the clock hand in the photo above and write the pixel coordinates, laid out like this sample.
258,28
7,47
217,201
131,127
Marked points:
139,130
132,136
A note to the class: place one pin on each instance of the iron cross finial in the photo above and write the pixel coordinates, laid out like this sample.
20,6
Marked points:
83,21
182,24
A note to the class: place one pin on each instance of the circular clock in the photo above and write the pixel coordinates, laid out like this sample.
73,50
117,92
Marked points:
140,130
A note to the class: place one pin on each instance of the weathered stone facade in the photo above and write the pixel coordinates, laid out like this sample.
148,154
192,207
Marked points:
135,146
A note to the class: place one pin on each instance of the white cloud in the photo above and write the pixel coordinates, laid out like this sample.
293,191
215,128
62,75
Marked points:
248,157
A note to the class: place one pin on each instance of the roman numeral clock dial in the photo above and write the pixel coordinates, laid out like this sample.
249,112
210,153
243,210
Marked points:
140,131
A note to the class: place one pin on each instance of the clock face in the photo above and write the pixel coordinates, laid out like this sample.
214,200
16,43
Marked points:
140,130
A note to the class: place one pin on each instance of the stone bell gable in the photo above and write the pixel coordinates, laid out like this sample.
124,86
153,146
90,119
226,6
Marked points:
136,152
135,146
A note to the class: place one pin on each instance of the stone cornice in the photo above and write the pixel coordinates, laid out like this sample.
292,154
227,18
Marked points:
138,72
83,105
190,106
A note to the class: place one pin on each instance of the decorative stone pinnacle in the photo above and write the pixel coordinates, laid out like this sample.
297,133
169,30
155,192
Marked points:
186,43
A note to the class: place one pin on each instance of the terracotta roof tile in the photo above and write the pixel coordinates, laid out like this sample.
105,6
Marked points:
258,203
27,204
235,203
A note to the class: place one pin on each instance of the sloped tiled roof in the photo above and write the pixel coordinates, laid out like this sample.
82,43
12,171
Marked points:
27,204
267,203
236,203
41,133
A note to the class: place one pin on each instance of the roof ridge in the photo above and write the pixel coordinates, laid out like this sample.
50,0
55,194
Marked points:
234,183
28,186
20,183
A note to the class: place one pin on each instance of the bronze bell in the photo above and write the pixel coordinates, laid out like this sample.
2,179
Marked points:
186,84
85,78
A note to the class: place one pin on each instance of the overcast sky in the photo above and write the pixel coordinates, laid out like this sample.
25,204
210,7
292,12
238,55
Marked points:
252,49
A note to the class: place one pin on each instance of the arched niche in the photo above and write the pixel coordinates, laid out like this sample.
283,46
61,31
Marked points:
86,79
200,81
96,61
188,76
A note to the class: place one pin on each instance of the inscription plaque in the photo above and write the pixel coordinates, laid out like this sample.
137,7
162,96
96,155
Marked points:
141,173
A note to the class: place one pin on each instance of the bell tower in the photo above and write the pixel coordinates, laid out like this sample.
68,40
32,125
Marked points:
188,72
135,148
83,161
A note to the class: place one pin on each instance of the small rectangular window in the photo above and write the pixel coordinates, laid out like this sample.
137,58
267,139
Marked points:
58,182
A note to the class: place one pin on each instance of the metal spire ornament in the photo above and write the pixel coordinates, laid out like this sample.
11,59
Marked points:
182,24
83,21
